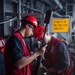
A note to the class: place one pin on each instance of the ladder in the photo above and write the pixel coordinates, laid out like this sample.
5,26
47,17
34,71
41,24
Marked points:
69,8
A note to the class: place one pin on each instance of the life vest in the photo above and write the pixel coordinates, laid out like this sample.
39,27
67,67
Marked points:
2,45
9,66
52,58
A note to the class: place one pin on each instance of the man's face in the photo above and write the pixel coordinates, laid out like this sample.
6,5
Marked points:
44,38
29,31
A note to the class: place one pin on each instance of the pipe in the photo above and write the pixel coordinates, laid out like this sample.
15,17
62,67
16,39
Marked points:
57,14
46,2
19,11
59,4
32,9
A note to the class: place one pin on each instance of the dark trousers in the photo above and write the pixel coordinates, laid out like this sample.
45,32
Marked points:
2,71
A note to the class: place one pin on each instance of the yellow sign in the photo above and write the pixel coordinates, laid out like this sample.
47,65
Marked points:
60,25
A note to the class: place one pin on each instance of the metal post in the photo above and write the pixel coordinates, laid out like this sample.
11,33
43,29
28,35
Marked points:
42,14
31,5
59,4
19,12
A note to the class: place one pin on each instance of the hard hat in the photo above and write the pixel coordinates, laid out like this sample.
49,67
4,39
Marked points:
31,19
38,31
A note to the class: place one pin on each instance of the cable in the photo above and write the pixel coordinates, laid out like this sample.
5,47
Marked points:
9,20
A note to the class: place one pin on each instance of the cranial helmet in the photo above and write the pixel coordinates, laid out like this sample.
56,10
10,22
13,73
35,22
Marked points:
38,31
31,19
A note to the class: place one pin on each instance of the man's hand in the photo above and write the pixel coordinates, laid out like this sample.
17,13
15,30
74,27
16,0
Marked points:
49,69
41,51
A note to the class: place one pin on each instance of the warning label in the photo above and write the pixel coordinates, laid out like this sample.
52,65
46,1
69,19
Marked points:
60,25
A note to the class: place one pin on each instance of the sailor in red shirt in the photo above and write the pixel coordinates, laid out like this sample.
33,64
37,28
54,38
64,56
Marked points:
17,55
57,56
2,45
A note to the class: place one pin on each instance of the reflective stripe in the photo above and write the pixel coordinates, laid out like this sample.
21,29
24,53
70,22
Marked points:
2,45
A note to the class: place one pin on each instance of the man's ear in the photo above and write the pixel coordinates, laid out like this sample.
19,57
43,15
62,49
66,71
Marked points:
47,33
26,26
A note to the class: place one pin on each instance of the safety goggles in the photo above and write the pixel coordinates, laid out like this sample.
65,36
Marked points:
31,26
